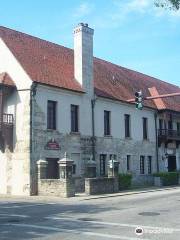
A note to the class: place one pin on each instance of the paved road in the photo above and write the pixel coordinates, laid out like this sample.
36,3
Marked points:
157,213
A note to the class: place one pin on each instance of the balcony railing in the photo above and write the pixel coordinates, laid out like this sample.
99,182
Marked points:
7,119
169,134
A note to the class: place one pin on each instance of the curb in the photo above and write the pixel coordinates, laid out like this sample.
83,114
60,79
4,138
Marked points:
121,194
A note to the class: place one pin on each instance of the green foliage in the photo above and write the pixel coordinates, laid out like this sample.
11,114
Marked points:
168,178
124,181
170,4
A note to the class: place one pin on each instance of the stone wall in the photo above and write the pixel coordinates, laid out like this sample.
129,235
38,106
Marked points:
81,143
101,185
56,187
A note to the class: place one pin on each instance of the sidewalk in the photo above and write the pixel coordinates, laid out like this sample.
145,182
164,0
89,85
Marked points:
83,196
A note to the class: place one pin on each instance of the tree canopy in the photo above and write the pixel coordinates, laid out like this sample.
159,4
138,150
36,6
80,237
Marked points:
171,4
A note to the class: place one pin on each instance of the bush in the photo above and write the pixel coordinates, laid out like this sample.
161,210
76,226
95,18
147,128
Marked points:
168,178
124,181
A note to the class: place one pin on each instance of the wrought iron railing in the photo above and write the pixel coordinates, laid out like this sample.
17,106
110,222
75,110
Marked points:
169,133
7,119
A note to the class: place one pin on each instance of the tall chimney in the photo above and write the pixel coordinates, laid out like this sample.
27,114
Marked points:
83,57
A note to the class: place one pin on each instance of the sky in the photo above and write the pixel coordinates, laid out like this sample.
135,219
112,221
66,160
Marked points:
131,33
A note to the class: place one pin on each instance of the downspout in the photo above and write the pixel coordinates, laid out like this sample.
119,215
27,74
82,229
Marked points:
156,135
32,95
93,101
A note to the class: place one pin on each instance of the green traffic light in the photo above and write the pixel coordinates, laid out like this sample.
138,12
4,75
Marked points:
139,106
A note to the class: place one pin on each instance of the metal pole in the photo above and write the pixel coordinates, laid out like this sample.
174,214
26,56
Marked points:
155,97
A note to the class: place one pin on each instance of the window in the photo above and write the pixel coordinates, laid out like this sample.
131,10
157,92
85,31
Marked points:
149,164
142,164
127,125
74,169
107,130
52,168
74,118
112,157
160,124
102,164
145,126
170,125
51,115
128,162
178,128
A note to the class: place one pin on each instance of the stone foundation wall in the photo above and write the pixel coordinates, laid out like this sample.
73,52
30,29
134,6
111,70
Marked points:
56,187
101,185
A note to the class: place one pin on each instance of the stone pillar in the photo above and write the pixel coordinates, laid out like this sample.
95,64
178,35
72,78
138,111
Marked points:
65,173
65,167
42,169
113,168
91,169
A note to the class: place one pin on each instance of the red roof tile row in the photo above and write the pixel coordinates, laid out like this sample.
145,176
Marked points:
6,80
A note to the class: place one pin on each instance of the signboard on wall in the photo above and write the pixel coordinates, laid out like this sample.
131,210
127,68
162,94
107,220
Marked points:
52,145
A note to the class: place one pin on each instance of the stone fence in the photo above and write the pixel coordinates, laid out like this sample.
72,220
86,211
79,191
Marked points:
101,185
56,187
62,187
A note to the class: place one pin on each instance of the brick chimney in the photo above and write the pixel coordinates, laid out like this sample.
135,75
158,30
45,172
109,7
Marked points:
83,57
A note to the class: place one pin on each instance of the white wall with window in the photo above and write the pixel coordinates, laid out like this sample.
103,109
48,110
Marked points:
117,122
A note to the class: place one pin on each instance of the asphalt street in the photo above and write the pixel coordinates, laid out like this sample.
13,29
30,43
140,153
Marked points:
155,214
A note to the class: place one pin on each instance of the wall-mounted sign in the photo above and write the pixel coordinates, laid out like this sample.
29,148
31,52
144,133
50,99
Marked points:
52,145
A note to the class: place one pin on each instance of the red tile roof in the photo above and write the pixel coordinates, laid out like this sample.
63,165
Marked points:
5,79
52,64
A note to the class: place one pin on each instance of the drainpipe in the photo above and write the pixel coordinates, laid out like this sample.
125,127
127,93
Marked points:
156,134
93,101
32,95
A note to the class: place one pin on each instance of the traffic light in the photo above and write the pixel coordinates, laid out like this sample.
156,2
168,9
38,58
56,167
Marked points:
139,100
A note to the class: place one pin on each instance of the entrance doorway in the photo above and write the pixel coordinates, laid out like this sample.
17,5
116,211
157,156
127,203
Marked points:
52,168
171,163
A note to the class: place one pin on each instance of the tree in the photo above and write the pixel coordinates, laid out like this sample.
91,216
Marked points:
171,4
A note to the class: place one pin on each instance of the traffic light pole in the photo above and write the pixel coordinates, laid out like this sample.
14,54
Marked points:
155,97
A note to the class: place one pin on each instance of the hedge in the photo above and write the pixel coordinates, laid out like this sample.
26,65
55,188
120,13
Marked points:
124,181
168,178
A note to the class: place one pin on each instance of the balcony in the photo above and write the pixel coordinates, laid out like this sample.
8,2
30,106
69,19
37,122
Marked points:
169,134
8,119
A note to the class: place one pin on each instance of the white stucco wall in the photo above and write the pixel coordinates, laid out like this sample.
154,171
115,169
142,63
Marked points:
117,119
15,168
64,100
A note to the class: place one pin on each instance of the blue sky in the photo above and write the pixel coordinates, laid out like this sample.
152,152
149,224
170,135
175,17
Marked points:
130,33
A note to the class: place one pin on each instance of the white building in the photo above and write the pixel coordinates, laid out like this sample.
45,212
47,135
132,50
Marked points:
54,100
